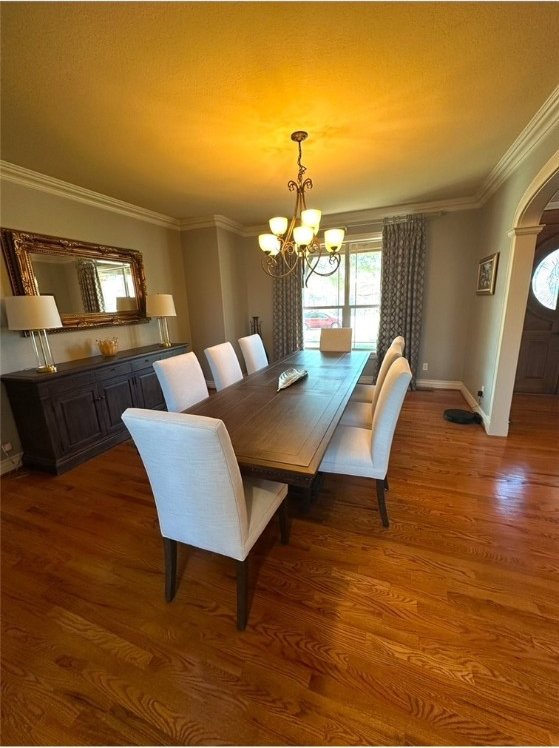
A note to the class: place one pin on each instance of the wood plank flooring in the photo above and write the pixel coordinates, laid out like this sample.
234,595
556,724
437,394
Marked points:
441,630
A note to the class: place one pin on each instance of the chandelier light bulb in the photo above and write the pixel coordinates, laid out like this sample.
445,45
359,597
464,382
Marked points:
269,244
278,225
333,239
311,218
303,235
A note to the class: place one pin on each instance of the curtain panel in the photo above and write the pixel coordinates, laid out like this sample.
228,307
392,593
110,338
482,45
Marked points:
90,287
403,276
288,313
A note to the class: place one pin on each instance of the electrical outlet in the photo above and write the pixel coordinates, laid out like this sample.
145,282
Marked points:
7,447
425,367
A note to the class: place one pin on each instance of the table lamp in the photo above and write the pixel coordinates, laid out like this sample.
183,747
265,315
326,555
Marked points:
161,305
37,314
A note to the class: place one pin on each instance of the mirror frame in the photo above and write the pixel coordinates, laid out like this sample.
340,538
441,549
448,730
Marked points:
17,246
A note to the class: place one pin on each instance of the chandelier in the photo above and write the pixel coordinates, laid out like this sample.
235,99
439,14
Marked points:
293,244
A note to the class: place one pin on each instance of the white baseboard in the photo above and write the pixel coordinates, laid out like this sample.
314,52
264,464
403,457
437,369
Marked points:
10,463
441,384
474,405
438,384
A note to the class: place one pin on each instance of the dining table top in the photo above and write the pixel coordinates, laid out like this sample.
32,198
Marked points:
282,435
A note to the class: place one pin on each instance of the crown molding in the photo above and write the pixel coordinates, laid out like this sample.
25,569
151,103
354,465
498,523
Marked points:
33,179
375,216
207,222
545,118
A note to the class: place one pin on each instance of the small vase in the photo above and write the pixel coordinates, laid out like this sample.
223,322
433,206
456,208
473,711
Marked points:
108,347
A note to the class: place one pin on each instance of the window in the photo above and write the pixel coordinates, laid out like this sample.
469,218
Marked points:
115,279
348,298
545,281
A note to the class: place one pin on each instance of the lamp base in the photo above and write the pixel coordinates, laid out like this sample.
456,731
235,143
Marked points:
165,344
47,369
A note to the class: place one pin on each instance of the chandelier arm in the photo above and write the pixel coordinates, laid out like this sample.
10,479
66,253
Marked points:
332,259
271,268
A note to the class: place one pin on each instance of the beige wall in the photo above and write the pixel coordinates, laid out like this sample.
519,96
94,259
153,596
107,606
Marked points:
450,277
487,320
33,210
203,287
233,288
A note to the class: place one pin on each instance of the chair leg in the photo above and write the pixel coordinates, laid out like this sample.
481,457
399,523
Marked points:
242,594
170,547
284,522
382,503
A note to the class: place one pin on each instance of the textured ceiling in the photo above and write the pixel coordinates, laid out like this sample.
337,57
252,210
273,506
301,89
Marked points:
187,108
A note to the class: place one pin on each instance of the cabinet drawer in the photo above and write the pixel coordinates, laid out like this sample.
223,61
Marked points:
108,372
64,384
145,361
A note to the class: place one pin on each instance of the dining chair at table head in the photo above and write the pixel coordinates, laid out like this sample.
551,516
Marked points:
336,339
366,452
200,497
182,381
253,352
224,364
366,392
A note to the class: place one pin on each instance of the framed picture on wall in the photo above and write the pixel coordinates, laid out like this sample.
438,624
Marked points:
486,274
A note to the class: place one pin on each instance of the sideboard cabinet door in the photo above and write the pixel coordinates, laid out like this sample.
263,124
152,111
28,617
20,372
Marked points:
65,418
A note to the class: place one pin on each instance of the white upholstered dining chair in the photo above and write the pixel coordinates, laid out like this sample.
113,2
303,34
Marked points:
200,497
336,339
182,381
360,413
365,392
253,352
224,364
366,452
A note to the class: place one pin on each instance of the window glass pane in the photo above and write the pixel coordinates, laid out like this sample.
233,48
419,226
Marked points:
364,279
545,281
316,319
331,301
325,290
365,321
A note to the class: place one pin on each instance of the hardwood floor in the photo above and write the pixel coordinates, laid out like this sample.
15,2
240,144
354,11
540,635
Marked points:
442,629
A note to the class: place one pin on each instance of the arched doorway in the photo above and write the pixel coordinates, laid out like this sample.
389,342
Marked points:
523,237
538,360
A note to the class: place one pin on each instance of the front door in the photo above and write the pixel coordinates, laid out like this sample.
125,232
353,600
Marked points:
538,360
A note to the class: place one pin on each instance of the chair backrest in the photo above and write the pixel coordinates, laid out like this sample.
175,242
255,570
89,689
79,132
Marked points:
224,364
194,476
394,352
401,341
182,381
253,352
336,338
387,411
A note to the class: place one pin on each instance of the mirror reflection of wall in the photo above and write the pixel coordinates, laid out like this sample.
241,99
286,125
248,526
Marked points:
85,285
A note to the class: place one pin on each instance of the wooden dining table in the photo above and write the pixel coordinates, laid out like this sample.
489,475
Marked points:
283,435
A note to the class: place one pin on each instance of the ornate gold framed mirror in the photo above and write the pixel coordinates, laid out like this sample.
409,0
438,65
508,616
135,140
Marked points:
93,285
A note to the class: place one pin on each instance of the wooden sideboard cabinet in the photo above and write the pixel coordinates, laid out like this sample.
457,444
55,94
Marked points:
65,418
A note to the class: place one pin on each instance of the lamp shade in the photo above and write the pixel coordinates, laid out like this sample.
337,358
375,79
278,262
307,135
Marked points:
269,244
278,225
32,313
333,239
303,235
160,305
311,218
